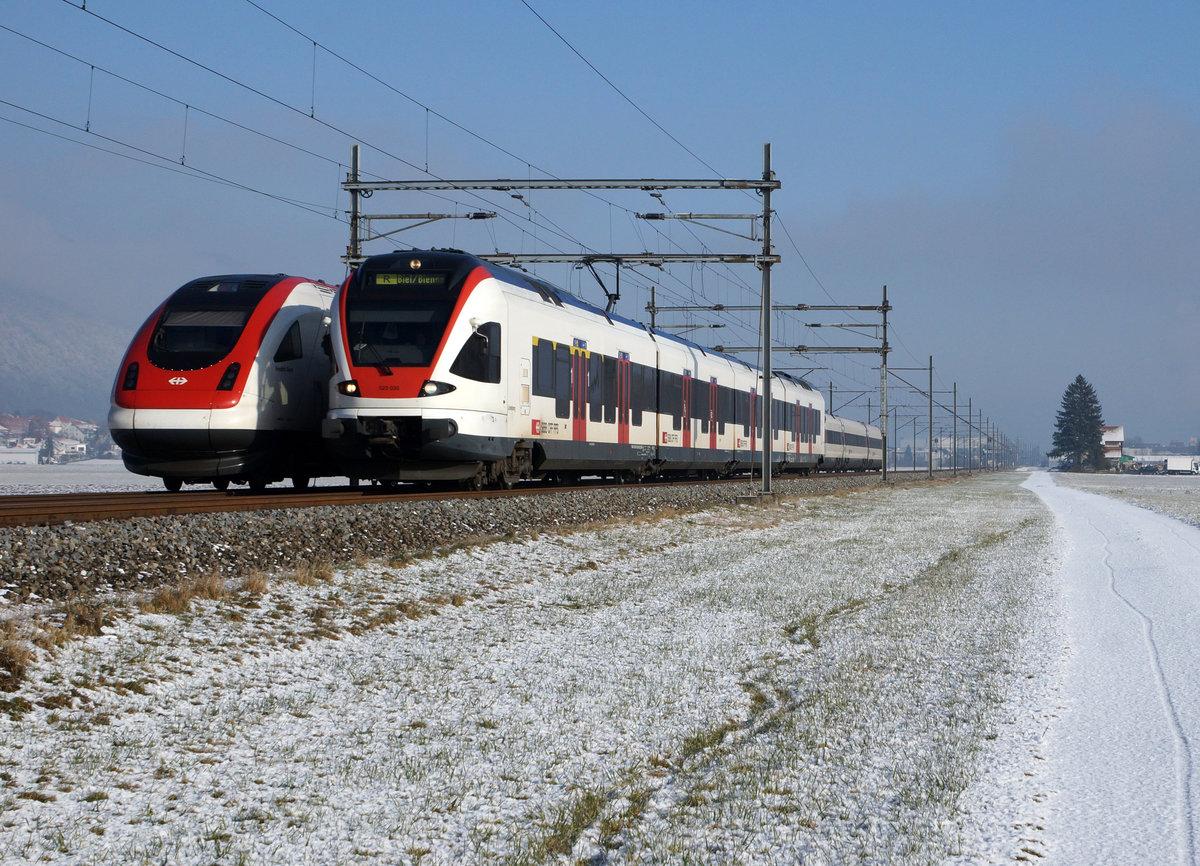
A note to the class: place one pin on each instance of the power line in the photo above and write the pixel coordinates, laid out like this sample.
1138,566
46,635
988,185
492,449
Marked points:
170,98
188,170
618,90
537,219
311,115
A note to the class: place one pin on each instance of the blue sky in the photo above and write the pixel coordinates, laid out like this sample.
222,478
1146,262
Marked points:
1022,176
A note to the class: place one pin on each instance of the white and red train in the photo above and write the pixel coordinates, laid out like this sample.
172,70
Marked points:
448,367
227,382
445,368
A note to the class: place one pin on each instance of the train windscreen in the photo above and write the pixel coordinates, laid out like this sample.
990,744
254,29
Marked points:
202,322
398,318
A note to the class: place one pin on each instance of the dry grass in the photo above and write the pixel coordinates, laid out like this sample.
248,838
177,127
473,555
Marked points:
22,637
15,657
255,583
75,620
309,573
178,599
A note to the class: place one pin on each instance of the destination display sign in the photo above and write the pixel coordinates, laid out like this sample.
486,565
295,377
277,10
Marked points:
432,280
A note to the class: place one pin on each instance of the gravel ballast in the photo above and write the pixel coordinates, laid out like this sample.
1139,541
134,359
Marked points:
60,562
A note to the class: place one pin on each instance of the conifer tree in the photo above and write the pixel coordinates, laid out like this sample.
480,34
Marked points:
1078,435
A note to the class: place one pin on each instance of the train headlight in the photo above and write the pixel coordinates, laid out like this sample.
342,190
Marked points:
349,387
129,383
433,389
230,378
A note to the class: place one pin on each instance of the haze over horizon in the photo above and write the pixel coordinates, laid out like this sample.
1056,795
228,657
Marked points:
1021,176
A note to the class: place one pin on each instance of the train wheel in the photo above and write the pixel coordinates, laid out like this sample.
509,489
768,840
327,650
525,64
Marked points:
300,482
173,485
258,485
221,483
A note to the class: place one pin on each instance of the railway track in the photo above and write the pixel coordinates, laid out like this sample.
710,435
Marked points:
51,509
57,508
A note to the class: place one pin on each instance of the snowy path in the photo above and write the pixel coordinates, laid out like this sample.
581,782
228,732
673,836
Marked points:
1121,761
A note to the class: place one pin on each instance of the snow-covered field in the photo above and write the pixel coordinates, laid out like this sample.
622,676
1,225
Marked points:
815,681
94,476
83,476
1176,496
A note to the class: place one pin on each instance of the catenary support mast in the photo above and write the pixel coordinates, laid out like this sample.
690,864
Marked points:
768,428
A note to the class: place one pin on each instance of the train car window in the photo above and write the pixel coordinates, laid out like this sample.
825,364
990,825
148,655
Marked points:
637,393
672,399
609,397
562,381
543,368
596,387
203,320
291,347
479,358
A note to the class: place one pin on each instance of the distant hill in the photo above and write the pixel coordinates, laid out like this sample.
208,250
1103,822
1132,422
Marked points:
56,359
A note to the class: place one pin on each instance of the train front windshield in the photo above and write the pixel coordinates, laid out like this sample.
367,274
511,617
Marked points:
202,322
398,318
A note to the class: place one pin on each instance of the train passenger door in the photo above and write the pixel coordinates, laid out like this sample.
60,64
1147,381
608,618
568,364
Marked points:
713,396
687,409
753,421
624,378
579,380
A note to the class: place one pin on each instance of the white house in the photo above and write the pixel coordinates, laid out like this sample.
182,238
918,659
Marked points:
1114,443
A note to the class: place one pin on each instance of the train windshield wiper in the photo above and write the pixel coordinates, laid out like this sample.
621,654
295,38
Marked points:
381,364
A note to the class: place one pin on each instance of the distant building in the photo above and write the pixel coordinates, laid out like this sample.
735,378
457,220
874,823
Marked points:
68,449
72,428
1114,444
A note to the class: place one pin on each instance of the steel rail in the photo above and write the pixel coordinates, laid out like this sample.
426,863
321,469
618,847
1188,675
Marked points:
51,509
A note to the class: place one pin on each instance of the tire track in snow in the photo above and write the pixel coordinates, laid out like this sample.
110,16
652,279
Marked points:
1184,538
1183,748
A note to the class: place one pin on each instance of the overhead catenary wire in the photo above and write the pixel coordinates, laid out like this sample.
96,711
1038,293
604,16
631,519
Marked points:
550,231
166,161
262,94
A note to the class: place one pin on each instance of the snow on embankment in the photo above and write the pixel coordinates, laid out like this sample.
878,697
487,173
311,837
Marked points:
816,680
